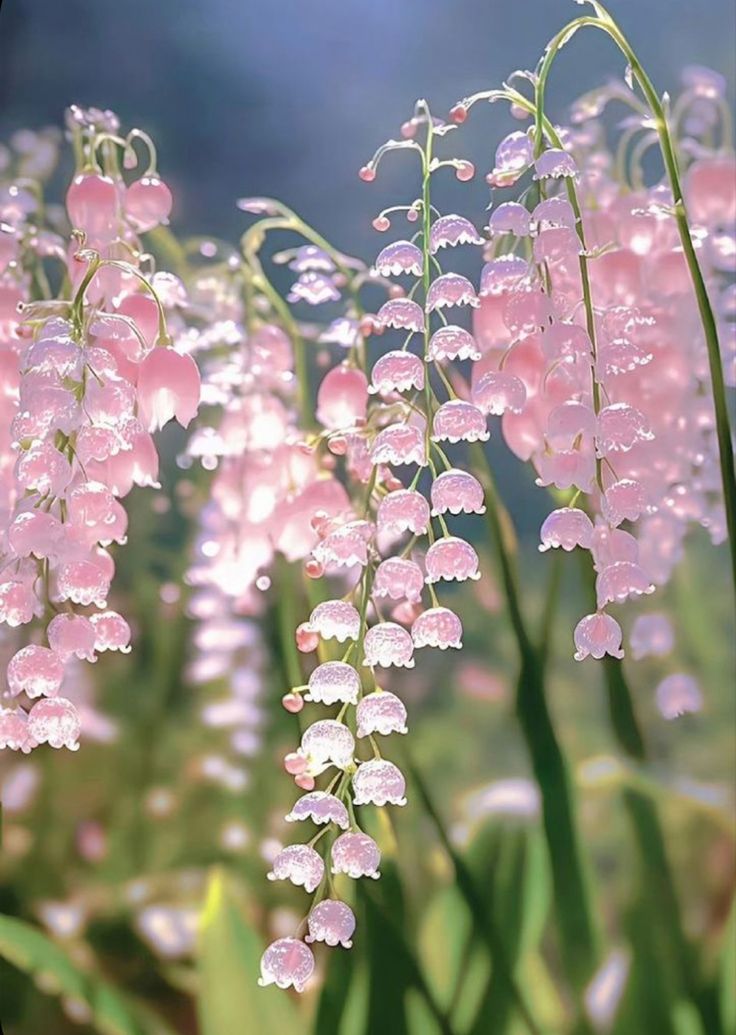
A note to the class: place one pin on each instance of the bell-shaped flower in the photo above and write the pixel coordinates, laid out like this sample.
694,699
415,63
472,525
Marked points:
331,922
449,290
678,694
625,500
596,635
457,492
325,743
452,342
401,313
451,559
35,671
397,258
567,527
55,721
287,962
459,421
388,644
333,682
397,371
404,510
400,444
335,619
356,854
450,231
437,627
622,580
381,712
319,807
300,864
342,398
651,636
497,392
378,782
398,579
168,388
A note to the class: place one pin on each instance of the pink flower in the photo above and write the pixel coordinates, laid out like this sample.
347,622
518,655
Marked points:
451,559
342,398
381,712
287,962
378,782
596,635
332,922
357,855
388,644
168,388
437,627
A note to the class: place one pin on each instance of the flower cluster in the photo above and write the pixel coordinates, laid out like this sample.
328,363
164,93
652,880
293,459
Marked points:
88,378
591,346
391,550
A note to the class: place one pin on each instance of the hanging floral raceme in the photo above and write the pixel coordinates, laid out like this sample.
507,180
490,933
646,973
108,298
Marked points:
391,552
97,373
591,350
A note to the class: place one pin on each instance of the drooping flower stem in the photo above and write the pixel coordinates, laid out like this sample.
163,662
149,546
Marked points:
575,916
603,20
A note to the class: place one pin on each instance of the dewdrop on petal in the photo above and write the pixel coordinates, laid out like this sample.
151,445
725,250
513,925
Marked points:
651,636
437,627
451,559
287,962
449,290
459,421
596,635
319,807
300,864
381,712
452,342
625,500
334,682
567,527
331,922
404,510
620,581
388,644
399,444
401,313
326,743
497,392
335,619
357,855
378,782
677,695
399,257
55,721
35,671
397,371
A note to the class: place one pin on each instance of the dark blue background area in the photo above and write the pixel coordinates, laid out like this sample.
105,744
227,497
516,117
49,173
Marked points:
289,97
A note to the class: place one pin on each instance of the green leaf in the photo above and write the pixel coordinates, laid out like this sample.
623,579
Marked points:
229,956
112,1013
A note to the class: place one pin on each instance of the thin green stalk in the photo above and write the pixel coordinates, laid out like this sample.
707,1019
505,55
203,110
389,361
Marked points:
578,941
482,920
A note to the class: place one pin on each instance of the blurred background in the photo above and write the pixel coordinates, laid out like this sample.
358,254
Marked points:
109,851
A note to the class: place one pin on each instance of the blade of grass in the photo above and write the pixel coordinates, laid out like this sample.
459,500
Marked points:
483,921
